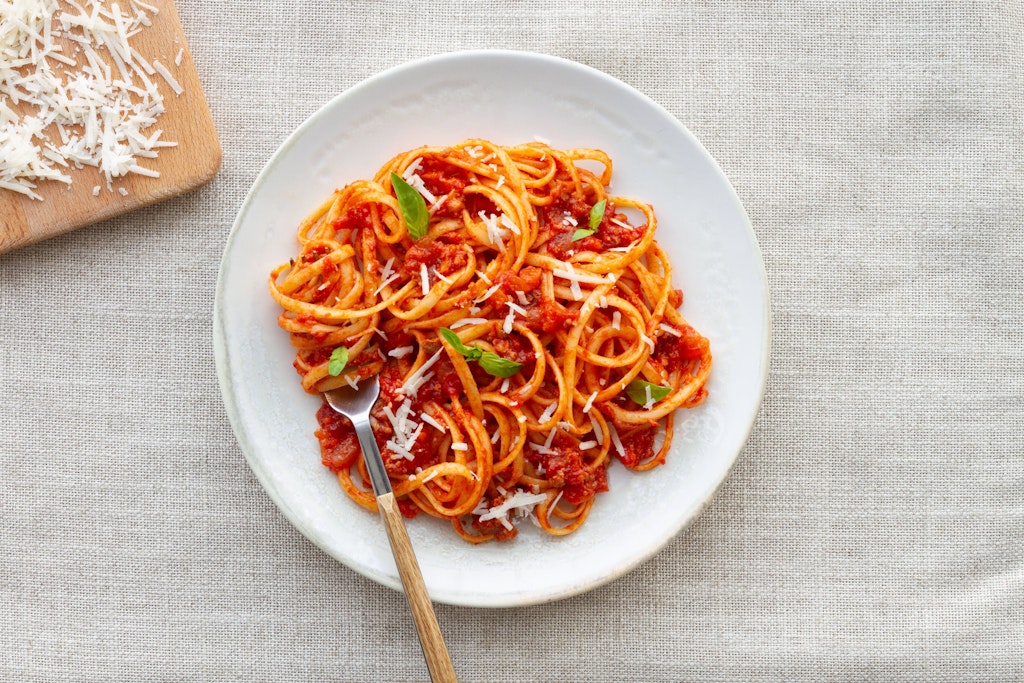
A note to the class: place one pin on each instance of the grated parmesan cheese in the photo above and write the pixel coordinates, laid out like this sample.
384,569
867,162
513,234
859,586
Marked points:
574,283
515,307
438,203
551,437
616,440
510,224
432,422
416,380
495,233
410,176
411,169
467,321
391,278
519,501
168,76
568,273
487,294
506,326
441,276
73,109
598,434
424,279
401,351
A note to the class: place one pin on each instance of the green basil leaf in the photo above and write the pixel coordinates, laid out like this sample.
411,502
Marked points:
493,364
597,214
413,206
339,358
581,233
471,353
637,390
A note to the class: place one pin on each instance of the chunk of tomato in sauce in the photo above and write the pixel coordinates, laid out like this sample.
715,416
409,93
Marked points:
515,348
441,178
676,353
443,255
494,526
339,446
638,445
565,468
542,314
618,233
356,218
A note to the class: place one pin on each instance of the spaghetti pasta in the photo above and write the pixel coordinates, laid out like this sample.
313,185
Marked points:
523,326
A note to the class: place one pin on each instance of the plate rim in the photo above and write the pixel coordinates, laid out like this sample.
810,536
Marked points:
520,598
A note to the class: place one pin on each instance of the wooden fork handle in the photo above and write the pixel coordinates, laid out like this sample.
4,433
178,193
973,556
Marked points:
438,662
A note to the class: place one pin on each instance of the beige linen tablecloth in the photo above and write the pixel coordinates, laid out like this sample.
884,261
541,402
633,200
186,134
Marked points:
872,529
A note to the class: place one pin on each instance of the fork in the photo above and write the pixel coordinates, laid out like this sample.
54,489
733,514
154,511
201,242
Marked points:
355,404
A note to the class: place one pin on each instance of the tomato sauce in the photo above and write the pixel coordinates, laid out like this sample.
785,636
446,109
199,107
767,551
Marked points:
542,314
442,178
561,219
356,218
447,180
515,348
475,203
439,389
638,445
445,255
494,526
567,214
612,234
339,446
676,353
314,253
552,316
565,468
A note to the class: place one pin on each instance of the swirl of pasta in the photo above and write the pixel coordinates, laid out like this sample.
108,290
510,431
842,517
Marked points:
526,334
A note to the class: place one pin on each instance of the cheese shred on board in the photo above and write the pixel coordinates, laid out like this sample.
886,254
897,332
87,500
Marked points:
74,92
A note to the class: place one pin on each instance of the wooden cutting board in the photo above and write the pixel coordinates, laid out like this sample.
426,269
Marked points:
191,164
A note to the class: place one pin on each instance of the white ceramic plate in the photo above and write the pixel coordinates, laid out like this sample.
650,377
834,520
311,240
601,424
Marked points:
507,97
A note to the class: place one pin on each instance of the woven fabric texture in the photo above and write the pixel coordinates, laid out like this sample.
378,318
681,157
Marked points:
873,527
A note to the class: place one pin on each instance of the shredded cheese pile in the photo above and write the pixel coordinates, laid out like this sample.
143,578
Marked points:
91,106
